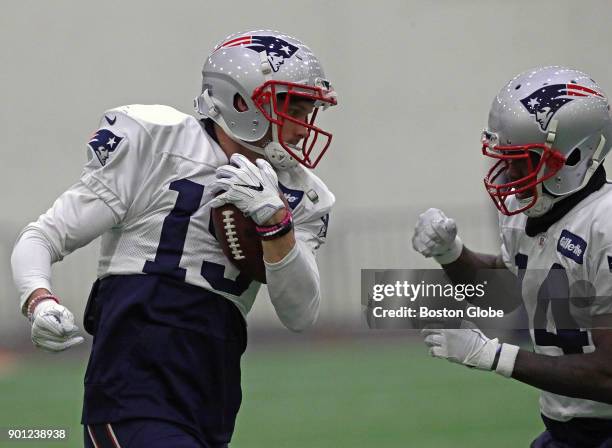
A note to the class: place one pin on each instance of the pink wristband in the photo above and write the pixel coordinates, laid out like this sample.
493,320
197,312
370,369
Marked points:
36,300
286,220
276,230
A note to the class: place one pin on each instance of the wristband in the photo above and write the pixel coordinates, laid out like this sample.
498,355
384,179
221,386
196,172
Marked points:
452,254
36,300
507,358
267,233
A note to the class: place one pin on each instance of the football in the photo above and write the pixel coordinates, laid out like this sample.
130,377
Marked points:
239,241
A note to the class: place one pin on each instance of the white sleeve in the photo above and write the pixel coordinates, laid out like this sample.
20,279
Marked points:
77,217
119,156
293,283
31,263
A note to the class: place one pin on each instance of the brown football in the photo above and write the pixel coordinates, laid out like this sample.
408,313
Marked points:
239,241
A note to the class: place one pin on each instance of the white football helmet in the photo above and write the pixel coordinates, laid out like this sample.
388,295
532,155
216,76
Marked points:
563,117
257,66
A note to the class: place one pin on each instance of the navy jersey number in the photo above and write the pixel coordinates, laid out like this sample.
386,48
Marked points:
174,230
172,243
554,294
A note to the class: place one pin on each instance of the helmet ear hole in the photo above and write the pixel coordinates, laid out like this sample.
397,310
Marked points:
240,104
574,157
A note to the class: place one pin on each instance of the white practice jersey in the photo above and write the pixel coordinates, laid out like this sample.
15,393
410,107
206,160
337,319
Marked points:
151,165
562,270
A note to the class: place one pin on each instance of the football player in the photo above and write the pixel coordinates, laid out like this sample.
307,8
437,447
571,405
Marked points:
168,310
549,130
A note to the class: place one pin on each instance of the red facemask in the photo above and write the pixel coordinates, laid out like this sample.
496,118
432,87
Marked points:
500,188
314,145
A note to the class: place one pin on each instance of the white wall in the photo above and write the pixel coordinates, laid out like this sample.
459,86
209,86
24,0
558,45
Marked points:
415,80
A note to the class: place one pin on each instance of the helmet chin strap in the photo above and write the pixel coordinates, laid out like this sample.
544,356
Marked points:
277,155
273,151
543,203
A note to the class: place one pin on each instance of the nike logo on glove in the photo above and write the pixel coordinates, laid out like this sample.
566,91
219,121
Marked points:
252,187
111,122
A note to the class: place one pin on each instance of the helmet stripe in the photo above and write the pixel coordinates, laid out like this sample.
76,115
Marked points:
236,42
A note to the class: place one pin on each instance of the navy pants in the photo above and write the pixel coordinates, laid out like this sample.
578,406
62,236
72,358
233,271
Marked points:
575,433
163,351
140,434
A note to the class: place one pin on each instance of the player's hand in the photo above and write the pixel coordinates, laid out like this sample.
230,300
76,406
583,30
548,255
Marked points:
253,189
469,346
435,235
53,327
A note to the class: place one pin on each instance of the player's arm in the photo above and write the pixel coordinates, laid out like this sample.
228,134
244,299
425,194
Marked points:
291,270
292,274
293,283
77,217
112,177
435,236
587,375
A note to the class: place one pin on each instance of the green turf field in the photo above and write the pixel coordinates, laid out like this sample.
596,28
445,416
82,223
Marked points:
317,395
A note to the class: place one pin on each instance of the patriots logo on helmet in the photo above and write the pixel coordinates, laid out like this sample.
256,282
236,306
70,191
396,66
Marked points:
277,50
103,143
546,101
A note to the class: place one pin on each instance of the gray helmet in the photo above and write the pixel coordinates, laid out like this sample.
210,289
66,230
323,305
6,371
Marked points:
562,115
257,66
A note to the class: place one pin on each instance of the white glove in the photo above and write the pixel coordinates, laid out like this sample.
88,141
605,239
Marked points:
469,346
53,327
253,189
435,236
